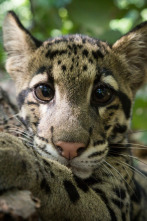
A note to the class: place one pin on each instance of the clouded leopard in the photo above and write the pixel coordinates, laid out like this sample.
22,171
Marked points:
75,96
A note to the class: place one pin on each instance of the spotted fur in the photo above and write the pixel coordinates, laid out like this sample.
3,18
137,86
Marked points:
99,183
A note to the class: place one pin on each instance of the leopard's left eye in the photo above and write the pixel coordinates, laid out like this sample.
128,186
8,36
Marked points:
44,92
102,95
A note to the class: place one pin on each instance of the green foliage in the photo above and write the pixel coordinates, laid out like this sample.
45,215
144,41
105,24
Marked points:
106,20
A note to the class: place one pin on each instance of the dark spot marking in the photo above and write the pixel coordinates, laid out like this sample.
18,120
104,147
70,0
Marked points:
35,124
85,67
105,200
107,127
72,191
63,68
43,138
52,54
98,142
71,68
27,120
85,53
44,185
95,154
91,181
118,203
59,61
124,216
90,61
24,165
81,184
120,192
97,54
111,114
75,49
90,131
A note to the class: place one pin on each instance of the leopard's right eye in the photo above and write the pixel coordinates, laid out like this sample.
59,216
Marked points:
44,92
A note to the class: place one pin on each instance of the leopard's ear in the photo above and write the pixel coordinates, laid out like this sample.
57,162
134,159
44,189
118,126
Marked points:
18,43
132,51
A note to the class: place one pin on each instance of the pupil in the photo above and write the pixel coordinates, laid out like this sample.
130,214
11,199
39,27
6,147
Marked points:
45,91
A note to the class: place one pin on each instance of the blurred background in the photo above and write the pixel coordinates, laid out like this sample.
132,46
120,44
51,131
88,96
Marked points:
103,19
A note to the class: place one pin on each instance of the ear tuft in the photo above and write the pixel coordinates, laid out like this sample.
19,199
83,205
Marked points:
18,42
132,49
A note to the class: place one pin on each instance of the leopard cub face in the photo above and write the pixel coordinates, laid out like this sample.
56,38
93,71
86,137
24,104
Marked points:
75,93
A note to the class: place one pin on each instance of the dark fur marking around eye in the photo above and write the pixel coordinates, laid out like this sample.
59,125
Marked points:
120,128
105,200
72,191
81,184
113,107
41,70
106,72
126,103
44,185
22,96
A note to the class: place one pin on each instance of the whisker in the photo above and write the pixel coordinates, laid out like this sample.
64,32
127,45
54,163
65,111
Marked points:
119,174
29,143
138,131
133,169
11,117
127,155
110,172
136,158
23,134
20,131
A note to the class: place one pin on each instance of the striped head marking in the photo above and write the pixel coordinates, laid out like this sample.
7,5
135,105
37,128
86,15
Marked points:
74,92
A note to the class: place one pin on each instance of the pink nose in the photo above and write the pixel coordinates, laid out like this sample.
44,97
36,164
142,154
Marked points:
69,150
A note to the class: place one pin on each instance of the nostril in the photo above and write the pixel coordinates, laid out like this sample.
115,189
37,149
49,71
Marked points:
80,150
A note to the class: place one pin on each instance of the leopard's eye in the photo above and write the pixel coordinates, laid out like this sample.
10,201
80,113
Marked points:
44,92
102,95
